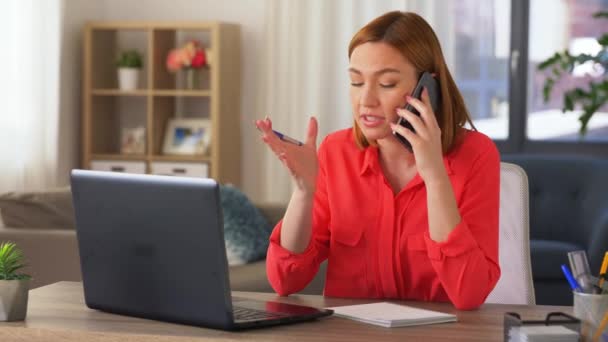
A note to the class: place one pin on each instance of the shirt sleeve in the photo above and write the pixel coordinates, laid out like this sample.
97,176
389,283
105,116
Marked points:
289,272
467,261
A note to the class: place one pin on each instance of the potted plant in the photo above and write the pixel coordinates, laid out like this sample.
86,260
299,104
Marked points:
129,63
14,287
595,95
191,57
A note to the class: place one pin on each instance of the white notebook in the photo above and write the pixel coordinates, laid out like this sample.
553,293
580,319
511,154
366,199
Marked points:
392,315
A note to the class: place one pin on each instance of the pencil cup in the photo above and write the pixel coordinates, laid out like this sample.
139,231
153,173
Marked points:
591,310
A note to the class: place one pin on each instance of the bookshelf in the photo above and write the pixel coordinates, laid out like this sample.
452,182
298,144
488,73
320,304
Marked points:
161,96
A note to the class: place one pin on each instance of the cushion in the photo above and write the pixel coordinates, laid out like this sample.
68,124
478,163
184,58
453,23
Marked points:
548,256
246,230
39,209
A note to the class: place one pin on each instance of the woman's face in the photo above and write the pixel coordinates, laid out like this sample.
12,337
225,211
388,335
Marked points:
380,79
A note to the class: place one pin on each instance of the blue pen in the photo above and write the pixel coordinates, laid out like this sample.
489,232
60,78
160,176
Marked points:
287,138
573,283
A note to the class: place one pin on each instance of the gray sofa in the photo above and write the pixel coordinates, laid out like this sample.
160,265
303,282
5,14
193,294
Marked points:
42,225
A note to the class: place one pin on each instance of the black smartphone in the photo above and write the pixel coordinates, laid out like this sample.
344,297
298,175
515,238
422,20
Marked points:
432,87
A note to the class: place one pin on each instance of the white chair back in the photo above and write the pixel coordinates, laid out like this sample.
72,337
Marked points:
515,285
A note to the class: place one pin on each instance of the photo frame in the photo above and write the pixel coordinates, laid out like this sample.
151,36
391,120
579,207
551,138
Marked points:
186,136
133,140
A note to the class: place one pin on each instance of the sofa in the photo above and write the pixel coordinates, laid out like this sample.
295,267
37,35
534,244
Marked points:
42,225
568,212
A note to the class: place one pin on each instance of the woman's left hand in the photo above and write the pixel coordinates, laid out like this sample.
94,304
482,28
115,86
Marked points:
426,142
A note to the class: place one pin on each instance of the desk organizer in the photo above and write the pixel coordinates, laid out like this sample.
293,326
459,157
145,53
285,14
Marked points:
513,320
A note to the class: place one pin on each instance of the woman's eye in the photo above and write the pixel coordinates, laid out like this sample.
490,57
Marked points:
356,84
390,85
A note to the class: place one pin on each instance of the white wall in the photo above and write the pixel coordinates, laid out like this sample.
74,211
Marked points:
75,14
250,14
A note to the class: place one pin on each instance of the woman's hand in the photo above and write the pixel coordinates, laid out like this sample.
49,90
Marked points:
426,142
301,161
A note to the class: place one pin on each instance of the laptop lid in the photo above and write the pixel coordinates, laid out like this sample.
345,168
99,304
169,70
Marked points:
153,247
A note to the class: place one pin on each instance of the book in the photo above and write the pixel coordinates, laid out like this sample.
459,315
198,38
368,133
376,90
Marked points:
391,315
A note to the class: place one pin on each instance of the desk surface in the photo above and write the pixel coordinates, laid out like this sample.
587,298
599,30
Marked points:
57,313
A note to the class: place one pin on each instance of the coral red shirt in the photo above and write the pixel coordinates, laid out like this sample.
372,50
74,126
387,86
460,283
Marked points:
377,243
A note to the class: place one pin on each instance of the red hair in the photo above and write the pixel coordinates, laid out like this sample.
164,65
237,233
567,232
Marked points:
410,34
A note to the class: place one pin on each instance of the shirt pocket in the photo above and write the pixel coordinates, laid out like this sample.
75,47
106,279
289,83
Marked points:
418,270
347,269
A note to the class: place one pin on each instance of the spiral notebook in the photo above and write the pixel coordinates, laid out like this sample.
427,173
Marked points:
391,315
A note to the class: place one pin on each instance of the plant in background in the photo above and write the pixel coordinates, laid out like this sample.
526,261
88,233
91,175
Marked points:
591,99
190,56
11,261
130,59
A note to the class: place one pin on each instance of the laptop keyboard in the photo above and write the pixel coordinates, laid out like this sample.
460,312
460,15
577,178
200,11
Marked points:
247,314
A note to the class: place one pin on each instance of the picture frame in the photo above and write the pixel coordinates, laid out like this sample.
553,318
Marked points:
133,140
187,136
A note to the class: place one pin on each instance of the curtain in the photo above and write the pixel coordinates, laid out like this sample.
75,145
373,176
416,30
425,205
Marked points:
29,91
305,70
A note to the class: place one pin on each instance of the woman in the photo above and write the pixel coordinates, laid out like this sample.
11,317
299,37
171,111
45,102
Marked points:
419,225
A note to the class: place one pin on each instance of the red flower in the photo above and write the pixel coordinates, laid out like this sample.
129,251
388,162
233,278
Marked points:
200,59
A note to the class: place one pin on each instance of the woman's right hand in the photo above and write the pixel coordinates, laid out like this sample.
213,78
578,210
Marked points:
301,161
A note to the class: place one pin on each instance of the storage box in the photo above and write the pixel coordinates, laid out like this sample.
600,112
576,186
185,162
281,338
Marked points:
188,169
119,166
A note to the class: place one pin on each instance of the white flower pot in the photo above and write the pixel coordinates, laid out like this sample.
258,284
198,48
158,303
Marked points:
127,78
13,299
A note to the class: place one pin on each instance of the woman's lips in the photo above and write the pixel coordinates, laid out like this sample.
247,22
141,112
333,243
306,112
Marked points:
371,120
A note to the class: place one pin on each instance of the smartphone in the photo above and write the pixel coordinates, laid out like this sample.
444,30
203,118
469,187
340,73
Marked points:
432,87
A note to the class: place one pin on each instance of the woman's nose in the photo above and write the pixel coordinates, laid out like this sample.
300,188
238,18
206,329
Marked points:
368,97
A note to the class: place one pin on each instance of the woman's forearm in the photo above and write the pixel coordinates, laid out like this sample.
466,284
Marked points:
296,229
443,214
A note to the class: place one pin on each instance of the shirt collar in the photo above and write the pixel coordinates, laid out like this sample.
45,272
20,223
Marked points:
369,162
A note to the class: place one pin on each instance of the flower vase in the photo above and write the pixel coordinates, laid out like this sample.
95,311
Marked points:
192,79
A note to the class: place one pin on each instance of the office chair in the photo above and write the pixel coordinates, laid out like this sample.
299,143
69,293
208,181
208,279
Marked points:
515,285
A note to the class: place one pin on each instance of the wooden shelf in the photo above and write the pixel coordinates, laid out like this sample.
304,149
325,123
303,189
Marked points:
163,95
118,156
180,158
182,92
118,92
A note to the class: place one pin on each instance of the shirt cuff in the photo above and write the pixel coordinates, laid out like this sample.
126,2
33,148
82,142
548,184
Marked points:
459,241
282,253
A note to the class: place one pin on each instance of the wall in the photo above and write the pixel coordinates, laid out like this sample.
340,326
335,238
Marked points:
75,14
250,14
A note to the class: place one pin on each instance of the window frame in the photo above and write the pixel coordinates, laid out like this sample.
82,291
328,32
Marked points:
517,141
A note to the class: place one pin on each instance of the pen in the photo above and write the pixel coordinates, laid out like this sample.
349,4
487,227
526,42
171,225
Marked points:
603,270
602,326
573,284
287,138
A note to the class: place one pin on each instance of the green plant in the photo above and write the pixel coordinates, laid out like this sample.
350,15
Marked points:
591,99
130,59
11,260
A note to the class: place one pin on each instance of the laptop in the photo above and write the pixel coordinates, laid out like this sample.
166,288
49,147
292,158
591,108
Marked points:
153,247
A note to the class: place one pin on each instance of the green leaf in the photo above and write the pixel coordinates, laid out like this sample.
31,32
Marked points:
549,82
11,260
130,59
568,103
549,61
601,14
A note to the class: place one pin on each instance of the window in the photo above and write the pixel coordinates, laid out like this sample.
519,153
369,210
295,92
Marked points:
475,41
557,25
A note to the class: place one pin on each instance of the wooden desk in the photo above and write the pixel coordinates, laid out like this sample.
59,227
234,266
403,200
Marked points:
57,313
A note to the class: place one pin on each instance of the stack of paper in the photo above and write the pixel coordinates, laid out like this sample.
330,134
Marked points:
391,315
542,333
